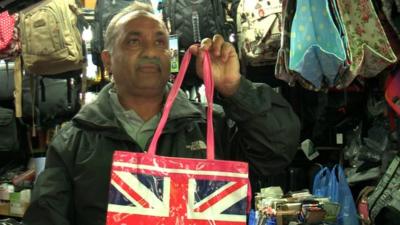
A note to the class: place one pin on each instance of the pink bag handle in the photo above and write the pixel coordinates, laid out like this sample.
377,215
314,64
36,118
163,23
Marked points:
209,84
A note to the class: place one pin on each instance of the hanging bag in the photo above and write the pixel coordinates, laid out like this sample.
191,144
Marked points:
282,71
150,189
10,45
50,101
259,31
370,51
51,41
386,194
316,48
6,80
7,23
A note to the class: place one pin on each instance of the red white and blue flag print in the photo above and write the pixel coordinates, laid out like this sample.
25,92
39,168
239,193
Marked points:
176,191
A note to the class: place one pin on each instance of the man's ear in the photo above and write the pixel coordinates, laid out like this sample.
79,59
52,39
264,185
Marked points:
106,58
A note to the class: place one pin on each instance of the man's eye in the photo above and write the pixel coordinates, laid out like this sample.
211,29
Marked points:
160,43
133,42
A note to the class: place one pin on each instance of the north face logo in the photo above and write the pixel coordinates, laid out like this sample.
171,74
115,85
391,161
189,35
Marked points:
197,145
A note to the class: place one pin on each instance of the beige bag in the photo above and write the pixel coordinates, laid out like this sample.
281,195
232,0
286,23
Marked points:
51,42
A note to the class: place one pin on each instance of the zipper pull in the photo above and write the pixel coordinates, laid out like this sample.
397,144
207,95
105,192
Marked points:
196,27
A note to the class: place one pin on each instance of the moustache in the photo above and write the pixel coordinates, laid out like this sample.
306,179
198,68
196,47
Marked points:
147,61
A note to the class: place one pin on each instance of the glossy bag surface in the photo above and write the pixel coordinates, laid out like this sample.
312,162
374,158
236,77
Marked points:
150,189
156,190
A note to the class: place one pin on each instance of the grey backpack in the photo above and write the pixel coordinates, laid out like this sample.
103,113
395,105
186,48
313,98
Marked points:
387,193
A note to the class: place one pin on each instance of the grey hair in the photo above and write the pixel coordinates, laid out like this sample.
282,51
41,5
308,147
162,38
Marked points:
111,33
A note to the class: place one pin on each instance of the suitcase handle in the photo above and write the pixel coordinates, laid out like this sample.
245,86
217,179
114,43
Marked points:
209,84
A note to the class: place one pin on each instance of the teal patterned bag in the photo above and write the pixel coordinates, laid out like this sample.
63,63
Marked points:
317,52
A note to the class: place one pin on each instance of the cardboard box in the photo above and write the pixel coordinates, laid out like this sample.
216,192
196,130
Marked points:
19,202
5,190
284,217
4,208
90,4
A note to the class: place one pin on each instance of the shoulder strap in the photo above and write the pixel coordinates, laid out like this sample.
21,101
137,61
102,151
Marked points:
209,84
18,87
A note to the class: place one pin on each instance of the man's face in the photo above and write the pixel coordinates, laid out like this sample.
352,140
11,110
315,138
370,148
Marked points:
140,61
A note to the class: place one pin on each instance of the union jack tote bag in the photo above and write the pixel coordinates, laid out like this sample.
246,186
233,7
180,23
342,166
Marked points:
146,189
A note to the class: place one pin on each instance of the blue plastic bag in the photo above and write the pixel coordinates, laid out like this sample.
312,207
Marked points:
339,191
321,181
252,218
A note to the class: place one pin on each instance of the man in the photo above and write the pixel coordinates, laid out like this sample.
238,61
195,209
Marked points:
73,187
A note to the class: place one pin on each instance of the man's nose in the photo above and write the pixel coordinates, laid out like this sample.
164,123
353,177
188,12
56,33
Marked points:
149,50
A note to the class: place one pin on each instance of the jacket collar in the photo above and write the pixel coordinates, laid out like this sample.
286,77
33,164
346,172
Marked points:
98,115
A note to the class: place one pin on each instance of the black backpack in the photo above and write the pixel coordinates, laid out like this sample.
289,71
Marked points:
193,20
7,85
49,101
181,16
14,6
104,11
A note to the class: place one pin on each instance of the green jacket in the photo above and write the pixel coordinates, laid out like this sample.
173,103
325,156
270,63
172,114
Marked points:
73,187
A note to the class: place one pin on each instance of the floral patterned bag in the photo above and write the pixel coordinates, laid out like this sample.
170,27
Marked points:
370,51
259,31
